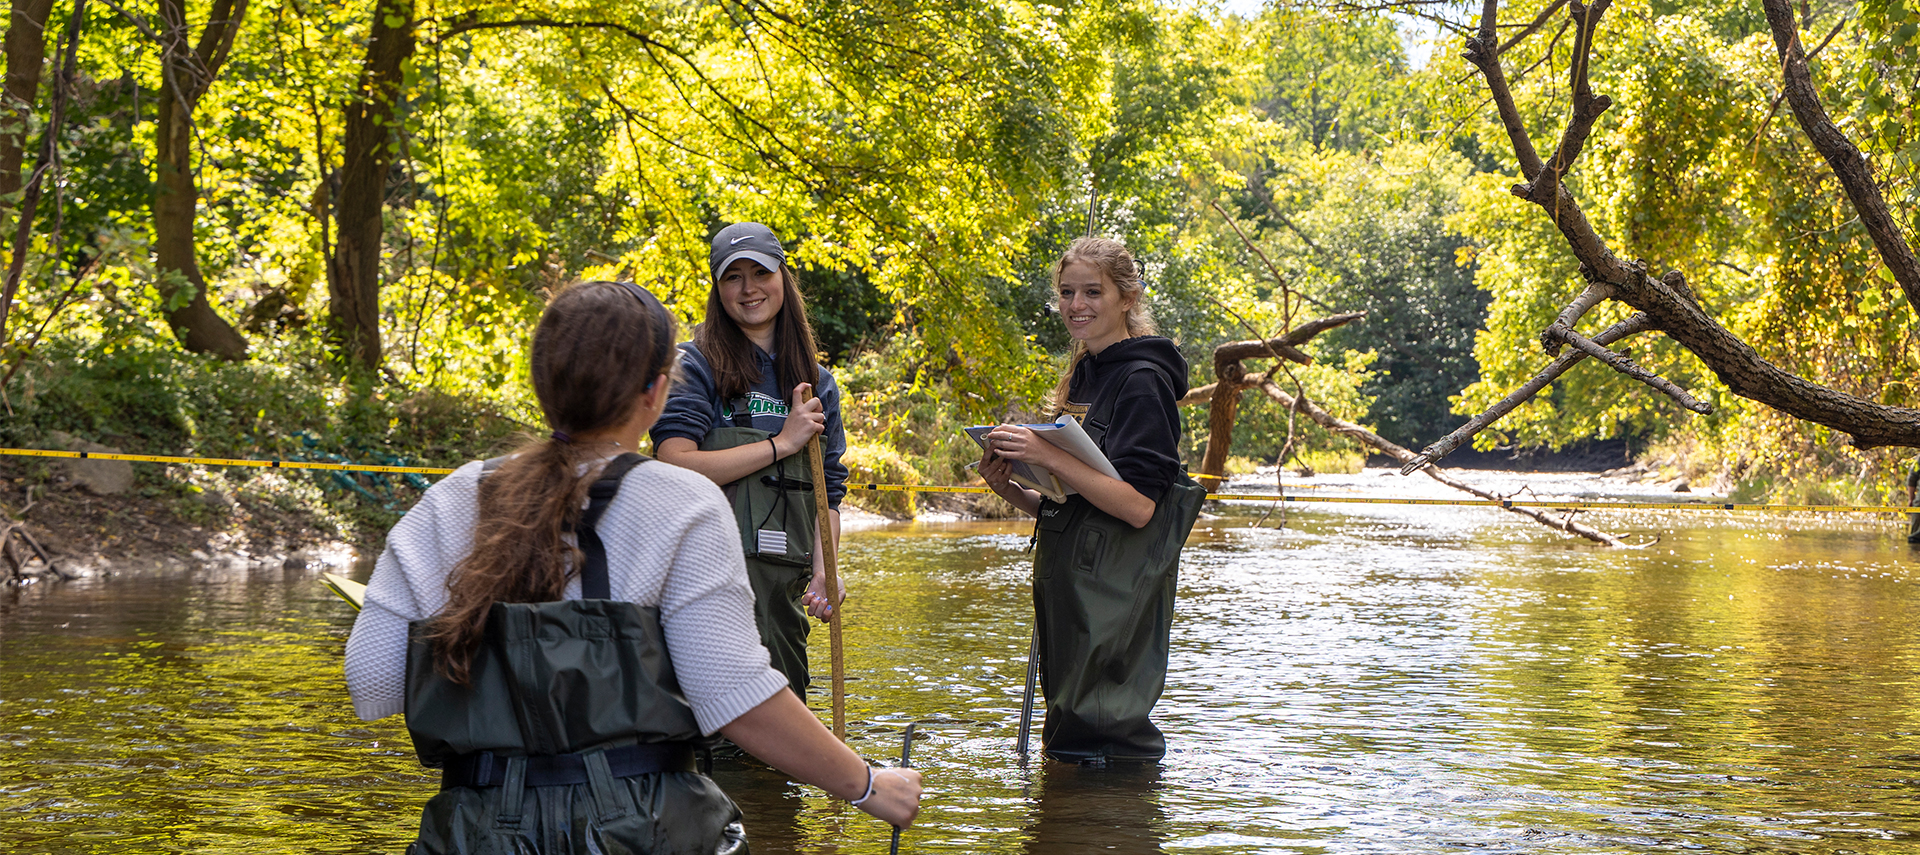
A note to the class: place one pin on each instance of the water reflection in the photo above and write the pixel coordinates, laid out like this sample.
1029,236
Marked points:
1083,809
1371,679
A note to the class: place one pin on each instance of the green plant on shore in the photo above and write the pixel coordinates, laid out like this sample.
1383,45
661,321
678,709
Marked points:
148,397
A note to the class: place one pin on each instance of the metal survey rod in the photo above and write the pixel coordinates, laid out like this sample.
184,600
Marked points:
828,560
906,762
1033,676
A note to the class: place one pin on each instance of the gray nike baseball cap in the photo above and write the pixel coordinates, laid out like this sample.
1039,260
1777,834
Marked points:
745,240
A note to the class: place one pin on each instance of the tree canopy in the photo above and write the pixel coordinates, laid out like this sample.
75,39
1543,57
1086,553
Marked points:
384,191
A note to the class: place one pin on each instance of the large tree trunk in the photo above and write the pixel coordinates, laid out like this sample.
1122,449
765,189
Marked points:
26,46
353,273
175,203
29,200
186,74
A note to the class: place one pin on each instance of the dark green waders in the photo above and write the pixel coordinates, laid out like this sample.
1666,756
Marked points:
572,735
1103,608
777,517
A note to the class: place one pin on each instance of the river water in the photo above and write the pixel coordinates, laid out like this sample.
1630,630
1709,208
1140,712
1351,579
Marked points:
1369,678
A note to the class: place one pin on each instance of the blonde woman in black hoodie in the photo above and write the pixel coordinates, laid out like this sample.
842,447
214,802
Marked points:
1106,564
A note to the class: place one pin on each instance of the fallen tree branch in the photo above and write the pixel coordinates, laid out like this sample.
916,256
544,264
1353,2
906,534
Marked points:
1227,369
1586,106
1375,441
1286,345
1638,323
1222,396
1594,294
1669,306
1483,53
18,565
1619,362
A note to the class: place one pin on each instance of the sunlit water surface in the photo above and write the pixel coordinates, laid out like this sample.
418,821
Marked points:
1370,678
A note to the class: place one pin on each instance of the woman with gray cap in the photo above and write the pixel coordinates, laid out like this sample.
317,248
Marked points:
750,396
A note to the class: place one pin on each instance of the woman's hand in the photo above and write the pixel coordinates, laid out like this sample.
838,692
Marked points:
1014,442
997,470
896,796
804,422
815,599
789,737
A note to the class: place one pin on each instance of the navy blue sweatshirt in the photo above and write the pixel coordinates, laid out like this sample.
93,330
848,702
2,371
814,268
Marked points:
694,408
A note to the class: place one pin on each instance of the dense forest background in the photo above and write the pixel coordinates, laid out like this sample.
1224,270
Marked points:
291,227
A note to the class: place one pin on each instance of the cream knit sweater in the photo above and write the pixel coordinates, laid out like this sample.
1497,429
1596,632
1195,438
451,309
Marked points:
671,543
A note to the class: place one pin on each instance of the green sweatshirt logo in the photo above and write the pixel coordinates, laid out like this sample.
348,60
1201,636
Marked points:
758,404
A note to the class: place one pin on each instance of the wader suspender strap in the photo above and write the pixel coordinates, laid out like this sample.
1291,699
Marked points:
743,418
594,584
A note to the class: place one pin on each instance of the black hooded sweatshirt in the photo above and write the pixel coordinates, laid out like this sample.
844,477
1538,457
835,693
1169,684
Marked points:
1143,438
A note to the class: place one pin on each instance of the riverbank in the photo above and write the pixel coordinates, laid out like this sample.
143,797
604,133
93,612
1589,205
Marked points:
149,518
153,518
162,521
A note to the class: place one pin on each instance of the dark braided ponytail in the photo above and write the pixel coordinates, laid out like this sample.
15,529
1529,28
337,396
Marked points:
597,349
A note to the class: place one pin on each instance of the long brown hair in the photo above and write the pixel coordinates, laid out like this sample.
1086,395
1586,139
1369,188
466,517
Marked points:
730,352
598,347
1110,257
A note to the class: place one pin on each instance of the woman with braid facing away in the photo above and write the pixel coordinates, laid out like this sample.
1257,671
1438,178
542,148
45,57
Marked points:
559,625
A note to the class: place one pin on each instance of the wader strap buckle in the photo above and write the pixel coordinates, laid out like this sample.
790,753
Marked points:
742,415
487,769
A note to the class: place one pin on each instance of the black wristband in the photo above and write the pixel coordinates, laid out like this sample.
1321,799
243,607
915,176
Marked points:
776,451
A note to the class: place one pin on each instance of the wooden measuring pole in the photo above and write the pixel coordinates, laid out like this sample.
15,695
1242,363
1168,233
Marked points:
829,560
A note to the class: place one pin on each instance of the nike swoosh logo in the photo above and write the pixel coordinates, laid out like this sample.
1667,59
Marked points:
739,239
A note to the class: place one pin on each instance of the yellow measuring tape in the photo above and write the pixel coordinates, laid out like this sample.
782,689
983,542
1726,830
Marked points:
917,488
222,461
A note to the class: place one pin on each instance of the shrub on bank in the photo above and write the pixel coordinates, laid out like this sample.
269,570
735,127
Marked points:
873,463
285,402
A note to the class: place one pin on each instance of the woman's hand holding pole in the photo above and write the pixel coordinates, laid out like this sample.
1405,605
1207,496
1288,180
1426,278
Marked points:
785,734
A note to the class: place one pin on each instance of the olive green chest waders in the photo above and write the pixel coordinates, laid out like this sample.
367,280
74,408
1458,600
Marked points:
777,518
572,736
1103,608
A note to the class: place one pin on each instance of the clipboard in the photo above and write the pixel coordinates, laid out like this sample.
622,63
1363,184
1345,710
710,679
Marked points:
1064,432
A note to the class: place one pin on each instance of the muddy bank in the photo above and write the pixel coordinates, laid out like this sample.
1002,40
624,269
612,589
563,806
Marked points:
151,519
158,523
